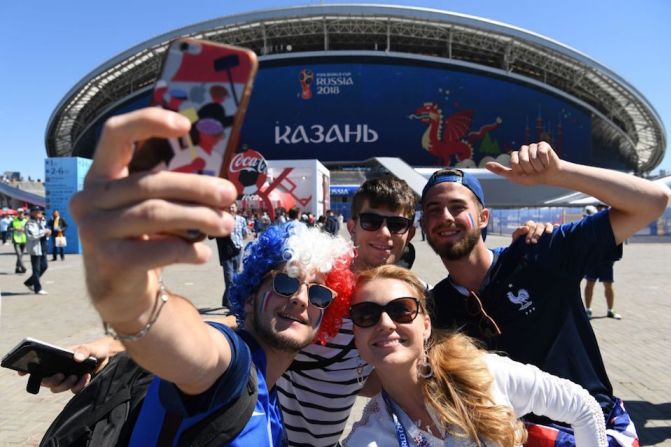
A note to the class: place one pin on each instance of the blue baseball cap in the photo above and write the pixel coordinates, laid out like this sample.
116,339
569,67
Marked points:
456,176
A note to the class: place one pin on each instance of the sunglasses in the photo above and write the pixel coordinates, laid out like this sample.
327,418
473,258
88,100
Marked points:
487,326
395,224
401,310
318,294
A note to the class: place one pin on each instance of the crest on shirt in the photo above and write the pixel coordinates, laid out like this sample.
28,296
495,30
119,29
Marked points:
522,299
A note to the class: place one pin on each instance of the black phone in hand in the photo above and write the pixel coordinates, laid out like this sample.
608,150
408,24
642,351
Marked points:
41,359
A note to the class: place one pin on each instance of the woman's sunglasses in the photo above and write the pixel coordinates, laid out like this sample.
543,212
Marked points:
395,224
401,310
318,294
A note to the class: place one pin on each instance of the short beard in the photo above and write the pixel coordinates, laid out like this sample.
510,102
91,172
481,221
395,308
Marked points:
276,341
457,250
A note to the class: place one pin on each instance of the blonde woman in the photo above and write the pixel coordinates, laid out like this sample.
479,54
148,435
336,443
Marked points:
439,389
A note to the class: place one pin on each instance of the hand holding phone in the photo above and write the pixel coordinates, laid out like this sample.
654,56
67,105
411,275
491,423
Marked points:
41,359
210,84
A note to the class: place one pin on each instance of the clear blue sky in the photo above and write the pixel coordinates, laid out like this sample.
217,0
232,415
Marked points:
48,46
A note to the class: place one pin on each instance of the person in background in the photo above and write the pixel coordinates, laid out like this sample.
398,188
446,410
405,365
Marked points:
320,222
418,225
265,220
280,215
604,273
36,246
231,262
19,239
57,225
294,214
260,223
248,215
331,224
5,222
439,388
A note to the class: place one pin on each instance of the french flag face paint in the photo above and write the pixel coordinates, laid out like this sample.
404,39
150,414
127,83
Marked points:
319,320
264,301
471,221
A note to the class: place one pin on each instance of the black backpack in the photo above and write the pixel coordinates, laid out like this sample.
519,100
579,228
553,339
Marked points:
104,413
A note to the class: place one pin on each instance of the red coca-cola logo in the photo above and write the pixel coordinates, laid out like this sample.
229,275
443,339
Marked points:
249,159
248,171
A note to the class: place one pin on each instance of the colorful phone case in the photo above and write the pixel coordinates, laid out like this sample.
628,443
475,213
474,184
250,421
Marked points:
210,84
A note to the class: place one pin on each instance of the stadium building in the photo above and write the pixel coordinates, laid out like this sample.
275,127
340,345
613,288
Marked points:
368,89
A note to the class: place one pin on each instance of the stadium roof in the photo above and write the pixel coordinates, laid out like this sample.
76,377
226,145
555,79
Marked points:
628,120
34,196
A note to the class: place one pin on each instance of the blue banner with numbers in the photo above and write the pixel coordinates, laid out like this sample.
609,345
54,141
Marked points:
62,178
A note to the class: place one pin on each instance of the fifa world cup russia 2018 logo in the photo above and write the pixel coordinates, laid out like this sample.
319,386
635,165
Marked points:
306,77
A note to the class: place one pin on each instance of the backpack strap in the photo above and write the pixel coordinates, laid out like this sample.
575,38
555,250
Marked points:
221,426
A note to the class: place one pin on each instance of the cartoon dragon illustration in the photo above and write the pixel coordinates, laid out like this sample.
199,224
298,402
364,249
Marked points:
450,138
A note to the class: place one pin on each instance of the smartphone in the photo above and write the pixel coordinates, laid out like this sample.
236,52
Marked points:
210,84
41,359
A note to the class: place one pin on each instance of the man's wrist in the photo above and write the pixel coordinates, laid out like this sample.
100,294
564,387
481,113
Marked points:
123,306
136,335
560,175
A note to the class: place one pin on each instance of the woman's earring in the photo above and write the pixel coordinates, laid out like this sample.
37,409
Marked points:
424,369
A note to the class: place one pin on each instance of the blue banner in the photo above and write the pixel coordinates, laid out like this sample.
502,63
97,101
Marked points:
426,115
343,190
426,112
63,177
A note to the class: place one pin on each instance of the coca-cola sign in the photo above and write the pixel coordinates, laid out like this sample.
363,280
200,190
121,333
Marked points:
248,171
248,160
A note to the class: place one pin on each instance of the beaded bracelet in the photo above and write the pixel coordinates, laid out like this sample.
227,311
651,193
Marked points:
161,299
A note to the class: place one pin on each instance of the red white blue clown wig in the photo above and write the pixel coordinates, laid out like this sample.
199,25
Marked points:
300,248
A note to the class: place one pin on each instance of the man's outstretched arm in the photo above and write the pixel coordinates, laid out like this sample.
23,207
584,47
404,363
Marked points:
125,222
634,202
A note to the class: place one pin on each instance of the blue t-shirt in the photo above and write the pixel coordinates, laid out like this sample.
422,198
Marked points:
165,403
533,294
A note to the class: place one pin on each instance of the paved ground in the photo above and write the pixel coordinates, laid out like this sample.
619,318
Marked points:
636,349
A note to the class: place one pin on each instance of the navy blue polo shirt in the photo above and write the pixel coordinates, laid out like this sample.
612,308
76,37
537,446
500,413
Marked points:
533,293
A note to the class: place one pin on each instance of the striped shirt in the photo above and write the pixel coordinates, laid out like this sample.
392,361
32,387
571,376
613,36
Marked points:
319,389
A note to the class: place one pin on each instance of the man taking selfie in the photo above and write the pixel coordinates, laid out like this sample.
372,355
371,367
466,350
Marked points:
284,295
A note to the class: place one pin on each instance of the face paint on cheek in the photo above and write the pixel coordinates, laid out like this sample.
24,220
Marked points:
319,320
264,302
471,222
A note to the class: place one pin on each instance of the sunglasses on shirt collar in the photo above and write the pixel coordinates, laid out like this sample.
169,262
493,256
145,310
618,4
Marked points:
486,324
401,310
395,224
319,295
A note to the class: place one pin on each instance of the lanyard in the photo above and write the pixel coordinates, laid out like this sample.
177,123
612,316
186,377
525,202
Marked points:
400,430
